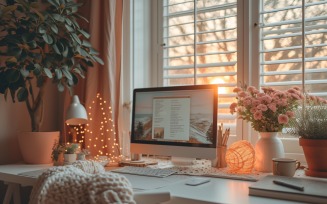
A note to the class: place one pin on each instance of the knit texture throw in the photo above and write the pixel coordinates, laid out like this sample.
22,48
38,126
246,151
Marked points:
79,183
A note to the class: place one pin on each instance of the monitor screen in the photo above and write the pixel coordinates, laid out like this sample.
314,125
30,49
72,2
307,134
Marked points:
174,118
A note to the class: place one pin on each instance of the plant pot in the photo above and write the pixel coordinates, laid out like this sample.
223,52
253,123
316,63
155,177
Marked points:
268,146
36,147
69,158
315,152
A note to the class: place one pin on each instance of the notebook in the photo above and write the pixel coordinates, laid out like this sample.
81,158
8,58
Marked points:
314,191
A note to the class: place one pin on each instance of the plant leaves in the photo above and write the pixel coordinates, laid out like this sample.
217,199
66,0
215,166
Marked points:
76,38
40,81
98,59
58,73
69,28
55,3
54,28
60,86
81,17
68,21
86,43
42,29
58,17
47,72
78,71
67,73
55,47
47,38
22,94
84,33
28,37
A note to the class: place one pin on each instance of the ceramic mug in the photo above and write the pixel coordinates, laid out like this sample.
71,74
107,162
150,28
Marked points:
285,166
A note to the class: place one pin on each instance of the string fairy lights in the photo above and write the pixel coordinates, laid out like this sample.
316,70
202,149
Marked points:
99,135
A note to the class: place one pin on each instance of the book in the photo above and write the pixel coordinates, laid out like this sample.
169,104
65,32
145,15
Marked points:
290,188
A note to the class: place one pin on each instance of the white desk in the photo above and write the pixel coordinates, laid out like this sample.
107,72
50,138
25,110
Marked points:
216,191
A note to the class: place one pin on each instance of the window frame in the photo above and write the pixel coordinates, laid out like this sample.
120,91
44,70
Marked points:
248,69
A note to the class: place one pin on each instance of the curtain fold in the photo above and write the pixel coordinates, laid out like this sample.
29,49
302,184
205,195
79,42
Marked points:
99,92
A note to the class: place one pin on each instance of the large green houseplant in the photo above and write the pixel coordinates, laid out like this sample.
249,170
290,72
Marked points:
41,40
310,124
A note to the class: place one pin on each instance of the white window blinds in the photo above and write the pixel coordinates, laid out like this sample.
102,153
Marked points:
293,49
199,47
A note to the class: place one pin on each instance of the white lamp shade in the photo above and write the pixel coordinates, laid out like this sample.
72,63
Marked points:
76,113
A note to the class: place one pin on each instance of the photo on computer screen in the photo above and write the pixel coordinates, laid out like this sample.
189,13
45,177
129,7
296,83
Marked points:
175,116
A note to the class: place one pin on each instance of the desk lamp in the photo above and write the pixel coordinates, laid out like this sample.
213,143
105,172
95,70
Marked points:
76,113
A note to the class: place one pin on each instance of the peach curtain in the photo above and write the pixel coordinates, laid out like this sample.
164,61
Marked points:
99,92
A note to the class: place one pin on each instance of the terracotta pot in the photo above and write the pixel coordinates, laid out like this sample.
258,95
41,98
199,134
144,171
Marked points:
315,152
36,147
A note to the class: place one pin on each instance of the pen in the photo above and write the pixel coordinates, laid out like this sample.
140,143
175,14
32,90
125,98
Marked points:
289,185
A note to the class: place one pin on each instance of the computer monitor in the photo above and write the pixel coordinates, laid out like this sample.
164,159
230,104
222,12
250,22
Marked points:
175,121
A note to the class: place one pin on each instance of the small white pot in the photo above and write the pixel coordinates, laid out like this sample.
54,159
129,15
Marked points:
69,158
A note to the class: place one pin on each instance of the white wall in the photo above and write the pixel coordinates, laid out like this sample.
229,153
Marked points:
14,118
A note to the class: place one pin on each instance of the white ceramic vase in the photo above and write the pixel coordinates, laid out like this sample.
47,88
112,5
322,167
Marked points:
268,146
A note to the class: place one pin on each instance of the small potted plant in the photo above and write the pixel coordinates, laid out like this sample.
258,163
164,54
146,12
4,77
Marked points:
82,154
310,125
57,154
70,153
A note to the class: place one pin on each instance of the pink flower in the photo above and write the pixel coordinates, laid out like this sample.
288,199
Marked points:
232,108
290,114
257,115
253,110
282,119
236,90
242,94
251,89
272,107
262,107
296,88
255,102
295,96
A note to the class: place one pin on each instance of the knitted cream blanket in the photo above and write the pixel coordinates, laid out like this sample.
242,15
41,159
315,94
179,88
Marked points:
83,182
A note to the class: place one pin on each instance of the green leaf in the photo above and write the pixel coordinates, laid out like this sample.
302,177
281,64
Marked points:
78,71
75,79
47,72
93,51
84,33
65,52
81,17
24,72
22,94
76,38
55,3
32,44
14,51
58,73
54,28
55,47
86,43
69,28
98,59
67,73
37,70
68,21
42,29
58,17
60,86
47,38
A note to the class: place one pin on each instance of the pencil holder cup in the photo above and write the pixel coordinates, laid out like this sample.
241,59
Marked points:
221,154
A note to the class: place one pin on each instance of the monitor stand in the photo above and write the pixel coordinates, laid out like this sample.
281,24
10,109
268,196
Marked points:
182,161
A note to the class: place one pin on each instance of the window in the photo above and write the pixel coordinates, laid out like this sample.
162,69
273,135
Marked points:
198,45
257,42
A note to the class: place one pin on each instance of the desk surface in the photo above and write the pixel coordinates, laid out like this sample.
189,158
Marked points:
216,191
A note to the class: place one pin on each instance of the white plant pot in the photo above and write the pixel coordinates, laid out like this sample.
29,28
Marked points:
69,158
268,146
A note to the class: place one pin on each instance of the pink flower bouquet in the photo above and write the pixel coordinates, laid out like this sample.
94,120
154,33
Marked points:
268,111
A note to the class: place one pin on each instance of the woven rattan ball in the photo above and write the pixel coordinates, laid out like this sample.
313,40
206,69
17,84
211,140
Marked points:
240,157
